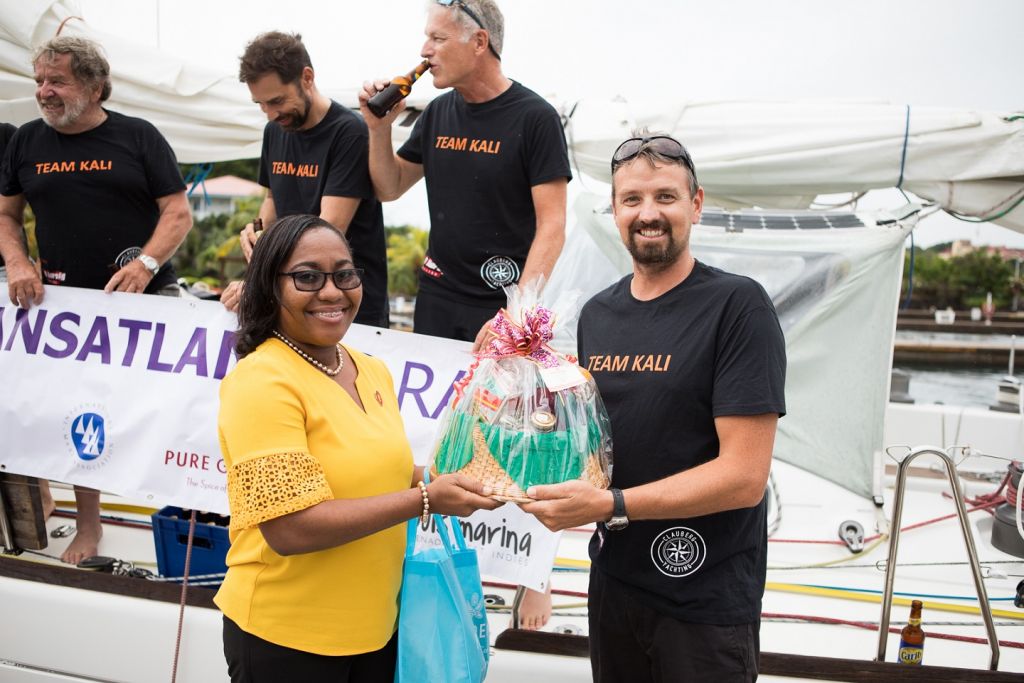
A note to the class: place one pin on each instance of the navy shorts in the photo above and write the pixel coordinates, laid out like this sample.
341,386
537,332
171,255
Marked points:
631,642
441,316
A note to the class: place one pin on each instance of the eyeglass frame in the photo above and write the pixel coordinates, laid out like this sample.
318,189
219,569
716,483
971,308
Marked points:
334,275
472,15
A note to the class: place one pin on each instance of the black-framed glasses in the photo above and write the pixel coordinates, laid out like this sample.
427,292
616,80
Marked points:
662,145
314,280
472,15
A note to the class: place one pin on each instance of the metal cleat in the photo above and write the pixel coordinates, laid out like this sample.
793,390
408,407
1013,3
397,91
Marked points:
852,534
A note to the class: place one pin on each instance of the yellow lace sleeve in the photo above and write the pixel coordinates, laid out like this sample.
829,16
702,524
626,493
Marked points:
274,485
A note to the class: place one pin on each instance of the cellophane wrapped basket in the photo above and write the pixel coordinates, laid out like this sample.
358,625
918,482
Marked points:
525,413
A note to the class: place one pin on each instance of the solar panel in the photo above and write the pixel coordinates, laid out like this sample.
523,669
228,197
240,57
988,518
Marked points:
737,222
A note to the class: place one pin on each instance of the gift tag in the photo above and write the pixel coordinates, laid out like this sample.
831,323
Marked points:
562,377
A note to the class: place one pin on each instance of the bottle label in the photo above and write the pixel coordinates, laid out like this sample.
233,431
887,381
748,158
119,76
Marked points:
910,654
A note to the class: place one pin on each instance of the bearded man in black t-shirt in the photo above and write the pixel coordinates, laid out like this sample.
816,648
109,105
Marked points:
108,198
690,362
314,161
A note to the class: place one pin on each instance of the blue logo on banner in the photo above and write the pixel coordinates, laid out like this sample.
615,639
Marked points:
88,435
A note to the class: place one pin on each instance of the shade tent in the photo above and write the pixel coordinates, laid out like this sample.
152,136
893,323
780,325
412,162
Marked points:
768,154
784,154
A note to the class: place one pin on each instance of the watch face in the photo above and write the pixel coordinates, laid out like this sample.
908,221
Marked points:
617,523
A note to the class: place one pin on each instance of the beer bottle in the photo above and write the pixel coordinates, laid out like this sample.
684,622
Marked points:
400,87
912,637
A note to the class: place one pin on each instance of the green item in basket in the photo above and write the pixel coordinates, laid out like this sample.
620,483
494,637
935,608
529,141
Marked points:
529,458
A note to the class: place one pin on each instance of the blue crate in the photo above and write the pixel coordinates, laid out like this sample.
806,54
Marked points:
170,534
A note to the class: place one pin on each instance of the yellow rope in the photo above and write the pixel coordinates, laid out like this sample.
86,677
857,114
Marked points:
877,599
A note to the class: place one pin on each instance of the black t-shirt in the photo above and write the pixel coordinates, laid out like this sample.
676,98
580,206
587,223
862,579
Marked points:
666,368
332,159
6,131
481,162
93,194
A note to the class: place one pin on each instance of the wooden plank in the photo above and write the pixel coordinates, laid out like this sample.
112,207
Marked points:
72,577
777,664
24,508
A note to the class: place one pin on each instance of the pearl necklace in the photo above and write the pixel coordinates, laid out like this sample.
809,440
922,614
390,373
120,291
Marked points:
330,372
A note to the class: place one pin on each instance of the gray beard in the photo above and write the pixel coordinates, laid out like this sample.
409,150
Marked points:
73,109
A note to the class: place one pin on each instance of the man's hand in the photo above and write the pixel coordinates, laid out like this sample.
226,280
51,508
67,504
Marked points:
567,505
24,285
133,277
483,337
247,240
232,295
371,88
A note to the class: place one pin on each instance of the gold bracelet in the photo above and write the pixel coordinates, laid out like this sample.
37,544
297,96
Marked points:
426,503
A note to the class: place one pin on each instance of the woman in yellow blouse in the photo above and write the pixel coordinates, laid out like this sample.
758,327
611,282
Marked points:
320,474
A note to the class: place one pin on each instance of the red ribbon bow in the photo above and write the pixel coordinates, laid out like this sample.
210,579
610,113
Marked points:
528,339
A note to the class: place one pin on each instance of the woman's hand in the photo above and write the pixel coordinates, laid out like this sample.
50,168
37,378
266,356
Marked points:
459,495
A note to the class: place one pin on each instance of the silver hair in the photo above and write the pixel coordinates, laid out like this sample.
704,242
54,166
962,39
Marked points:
490,16
88,65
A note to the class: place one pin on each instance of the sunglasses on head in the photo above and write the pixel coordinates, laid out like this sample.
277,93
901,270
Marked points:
314,280
472,15
663,145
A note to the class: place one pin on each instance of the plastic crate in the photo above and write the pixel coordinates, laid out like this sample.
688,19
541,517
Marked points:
170,534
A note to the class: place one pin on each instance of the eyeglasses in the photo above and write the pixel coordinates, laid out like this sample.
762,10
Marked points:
314,280
662,145
472,15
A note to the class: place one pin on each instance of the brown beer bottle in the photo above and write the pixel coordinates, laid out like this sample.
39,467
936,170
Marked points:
400,87
912,637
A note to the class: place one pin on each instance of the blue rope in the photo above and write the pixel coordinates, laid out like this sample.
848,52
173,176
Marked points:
903,154
197,176
909,595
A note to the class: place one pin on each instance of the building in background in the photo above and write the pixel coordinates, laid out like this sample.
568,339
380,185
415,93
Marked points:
221,195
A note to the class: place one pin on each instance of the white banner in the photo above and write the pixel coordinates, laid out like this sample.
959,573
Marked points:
119,392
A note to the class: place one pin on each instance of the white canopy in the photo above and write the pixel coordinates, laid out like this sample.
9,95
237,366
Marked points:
768,154
784,154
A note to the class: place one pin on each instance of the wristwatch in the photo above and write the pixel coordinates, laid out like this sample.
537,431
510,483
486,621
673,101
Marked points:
151,263
619,519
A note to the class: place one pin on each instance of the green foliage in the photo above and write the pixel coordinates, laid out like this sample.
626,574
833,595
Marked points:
210,251
406,248
960,282
243,168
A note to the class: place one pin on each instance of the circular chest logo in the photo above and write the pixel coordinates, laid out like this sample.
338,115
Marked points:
678,551
499,271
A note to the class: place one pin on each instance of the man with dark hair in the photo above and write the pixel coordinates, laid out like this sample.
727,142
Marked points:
679,555
108,198
496,165
314,161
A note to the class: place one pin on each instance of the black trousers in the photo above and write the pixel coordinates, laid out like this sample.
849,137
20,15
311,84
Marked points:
632,643
254,660
440,316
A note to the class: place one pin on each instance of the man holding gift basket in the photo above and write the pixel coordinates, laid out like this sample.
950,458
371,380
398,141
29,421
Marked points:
690,363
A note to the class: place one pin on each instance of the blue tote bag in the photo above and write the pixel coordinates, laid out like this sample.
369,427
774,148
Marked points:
442,621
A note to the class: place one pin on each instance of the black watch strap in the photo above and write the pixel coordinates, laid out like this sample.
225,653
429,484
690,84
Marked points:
618,503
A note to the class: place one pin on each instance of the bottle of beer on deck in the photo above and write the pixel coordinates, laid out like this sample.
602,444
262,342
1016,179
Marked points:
912,637
400,87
